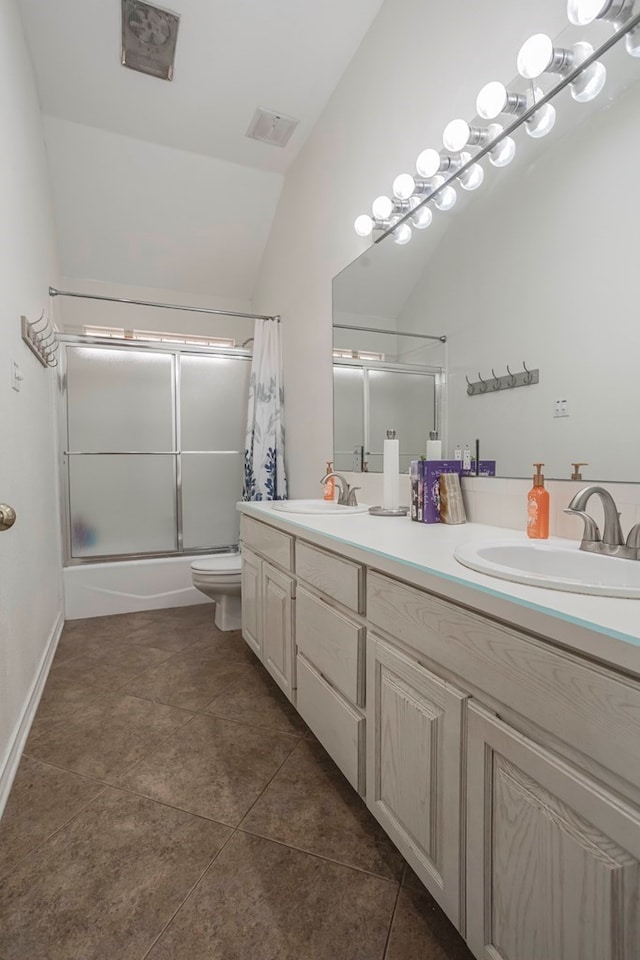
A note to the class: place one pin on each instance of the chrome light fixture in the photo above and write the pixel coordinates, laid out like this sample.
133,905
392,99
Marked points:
459,134
494,99
617,12
538,55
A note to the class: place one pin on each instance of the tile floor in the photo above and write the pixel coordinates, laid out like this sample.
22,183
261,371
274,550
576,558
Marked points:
171,805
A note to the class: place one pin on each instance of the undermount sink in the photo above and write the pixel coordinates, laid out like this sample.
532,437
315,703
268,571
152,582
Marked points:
556,564
319,507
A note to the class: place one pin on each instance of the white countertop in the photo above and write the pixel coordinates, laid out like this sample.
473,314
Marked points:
607,628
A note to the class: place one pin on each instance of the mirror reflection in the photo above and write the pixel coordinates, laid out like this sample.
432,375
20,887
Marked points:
536,268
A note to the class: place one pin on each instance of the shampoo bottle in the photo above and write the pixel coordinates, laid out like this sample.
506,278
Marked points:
329,485
538,507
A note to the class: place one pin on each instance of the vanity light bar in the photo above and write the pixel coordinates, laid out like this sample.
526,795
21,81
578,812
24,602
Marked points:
577,67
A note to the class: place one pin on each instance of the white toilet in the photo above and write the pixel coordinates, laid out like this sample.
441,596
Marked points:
218,577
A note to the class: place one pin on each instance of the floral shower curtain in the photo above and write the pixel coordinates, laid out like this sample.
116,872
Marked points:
264,473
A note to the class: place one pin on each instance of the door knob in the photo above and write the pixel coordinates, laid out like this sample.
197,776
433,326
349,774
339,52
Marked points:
7,516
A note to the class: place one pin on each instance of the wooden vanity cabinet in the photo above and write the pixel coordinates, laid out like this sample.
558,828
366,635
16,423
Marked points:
278,645
553,858
251,581
415,739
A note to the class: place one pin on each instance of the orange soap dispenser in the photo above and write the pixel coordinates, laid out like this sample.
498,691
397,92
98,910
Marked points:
538,507
330,484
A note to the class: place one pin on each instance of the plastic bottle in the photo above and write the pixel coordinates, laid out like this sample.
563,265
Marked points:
538,507
330,484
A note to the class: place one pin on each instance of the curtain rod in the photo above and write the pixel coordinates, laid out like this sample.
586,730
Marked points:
165,306
395,333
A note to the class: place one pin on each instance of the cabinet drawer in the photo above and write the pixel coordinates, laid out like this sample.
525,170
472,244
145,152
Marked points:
340,579
584,705
267,541
338,726
333,643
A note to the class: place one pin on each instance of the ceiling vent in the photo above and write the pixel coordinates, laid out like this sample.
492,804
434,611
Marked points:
270,127
149,37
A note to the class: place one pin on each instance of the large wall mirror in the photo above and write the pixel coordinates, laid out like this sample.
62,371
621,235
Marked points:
539,266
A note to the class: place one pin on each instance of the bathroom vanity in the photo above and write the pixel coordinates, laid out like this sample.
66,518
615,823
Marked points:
492,728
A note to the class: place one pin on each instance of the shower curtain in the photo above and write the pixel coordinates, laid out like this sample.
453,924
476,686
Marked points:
264,473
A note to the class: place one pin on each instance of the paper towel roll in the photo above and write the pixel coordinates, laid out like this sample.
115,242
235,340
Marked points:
434,449
391,472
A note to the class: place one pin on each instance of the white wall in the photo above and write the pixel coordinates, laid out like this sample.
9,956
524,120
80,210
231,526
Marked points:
418,67
142,214
30,566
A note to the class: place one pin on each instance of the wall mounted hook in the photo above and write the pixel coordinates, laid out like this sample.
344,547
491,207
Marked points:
512,380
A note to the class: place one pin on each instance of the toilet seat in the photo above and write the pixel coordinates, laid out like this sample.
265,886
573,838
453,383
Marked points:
218,565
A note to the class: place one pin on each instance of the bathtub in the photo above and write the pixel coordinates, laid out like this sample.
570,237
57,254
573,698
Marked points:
124,586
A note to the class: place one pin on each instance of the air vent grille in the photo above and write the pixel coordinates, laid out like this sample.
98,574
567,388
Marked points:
271,127
149,37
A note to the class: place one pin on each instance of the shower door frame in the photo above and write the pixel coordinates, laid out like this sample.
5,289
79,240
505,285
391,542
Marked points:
150,346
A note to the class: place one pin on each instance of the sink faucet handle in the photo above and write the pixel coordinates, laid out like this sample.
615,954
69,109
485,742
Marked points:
591,533
351,499
633,540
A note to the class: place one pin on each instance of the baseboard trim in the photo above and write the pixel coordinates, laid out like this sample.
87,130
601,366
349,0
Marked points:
12,759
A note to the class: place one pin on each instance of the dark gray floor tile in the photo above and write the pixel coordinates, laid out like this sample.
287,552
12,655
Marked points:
420,929
212,767
263,901
255,698
106,738
186,681
61,698
226,645
106,884
42,799
310,805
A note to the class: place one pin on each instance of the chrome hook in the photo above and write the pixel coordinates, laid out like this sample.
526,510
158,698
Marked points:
470,387
512,379
496,385
483,384
529,375
32,326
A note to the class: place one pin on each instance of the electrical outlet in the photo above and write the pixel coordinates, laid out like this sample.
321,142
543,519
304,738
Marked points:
16,376
561,408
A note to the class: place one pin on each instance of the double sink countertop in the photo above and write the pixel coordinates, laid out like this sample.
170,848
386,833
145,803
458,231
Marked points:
603,628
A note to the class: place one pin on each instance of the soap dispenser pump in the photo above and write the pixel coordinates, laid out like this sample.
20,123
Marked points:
538,507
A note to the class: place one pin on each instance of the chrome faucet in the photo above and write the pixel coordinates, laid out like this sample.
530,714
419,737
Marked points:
347,494
611,543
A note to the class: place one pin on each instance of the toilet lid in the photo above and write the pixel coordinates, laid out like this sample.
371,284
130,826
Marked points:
219,563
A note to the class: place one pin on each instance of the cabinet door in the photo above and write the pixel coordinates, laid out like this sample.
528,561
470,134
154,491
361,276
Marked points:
278,654
553,857
252,601
414,767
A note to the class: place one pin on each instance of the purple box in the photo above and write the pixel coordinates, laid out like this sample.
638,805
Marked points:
431,471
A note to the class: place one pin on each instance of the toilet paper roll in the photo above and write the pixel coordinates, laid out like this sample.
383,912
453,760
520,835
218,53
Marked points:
391,475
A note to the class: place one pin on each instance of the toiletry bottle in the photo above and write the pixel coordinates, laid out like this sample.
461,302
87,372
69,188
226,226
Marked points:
330,484
434,446
538,507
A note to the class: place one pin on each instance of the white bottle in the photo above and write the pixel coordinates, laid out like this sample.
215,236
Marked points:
391,472
434,446
466,458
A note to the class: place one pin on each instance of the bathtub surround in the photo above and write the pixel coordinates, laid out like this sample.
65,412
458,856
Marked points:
30,574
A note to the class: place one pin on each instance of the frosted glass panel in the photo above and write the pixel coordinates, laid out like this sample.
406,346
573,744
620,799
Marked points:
404,402
122,505
213,393
349,424
211,487
119,399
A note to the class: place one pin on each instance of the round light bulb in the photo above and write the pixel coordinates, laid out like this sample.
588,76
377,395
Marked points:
422,215
402,234
491,100
456,135
542,122
535,55
447,197
428,163
363,225
404,186
632,42
582,12
590,83
472,178
382,208
504,152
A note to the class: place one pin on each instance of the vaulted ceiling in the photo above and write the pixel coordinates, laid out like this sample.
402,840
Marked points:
232,56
